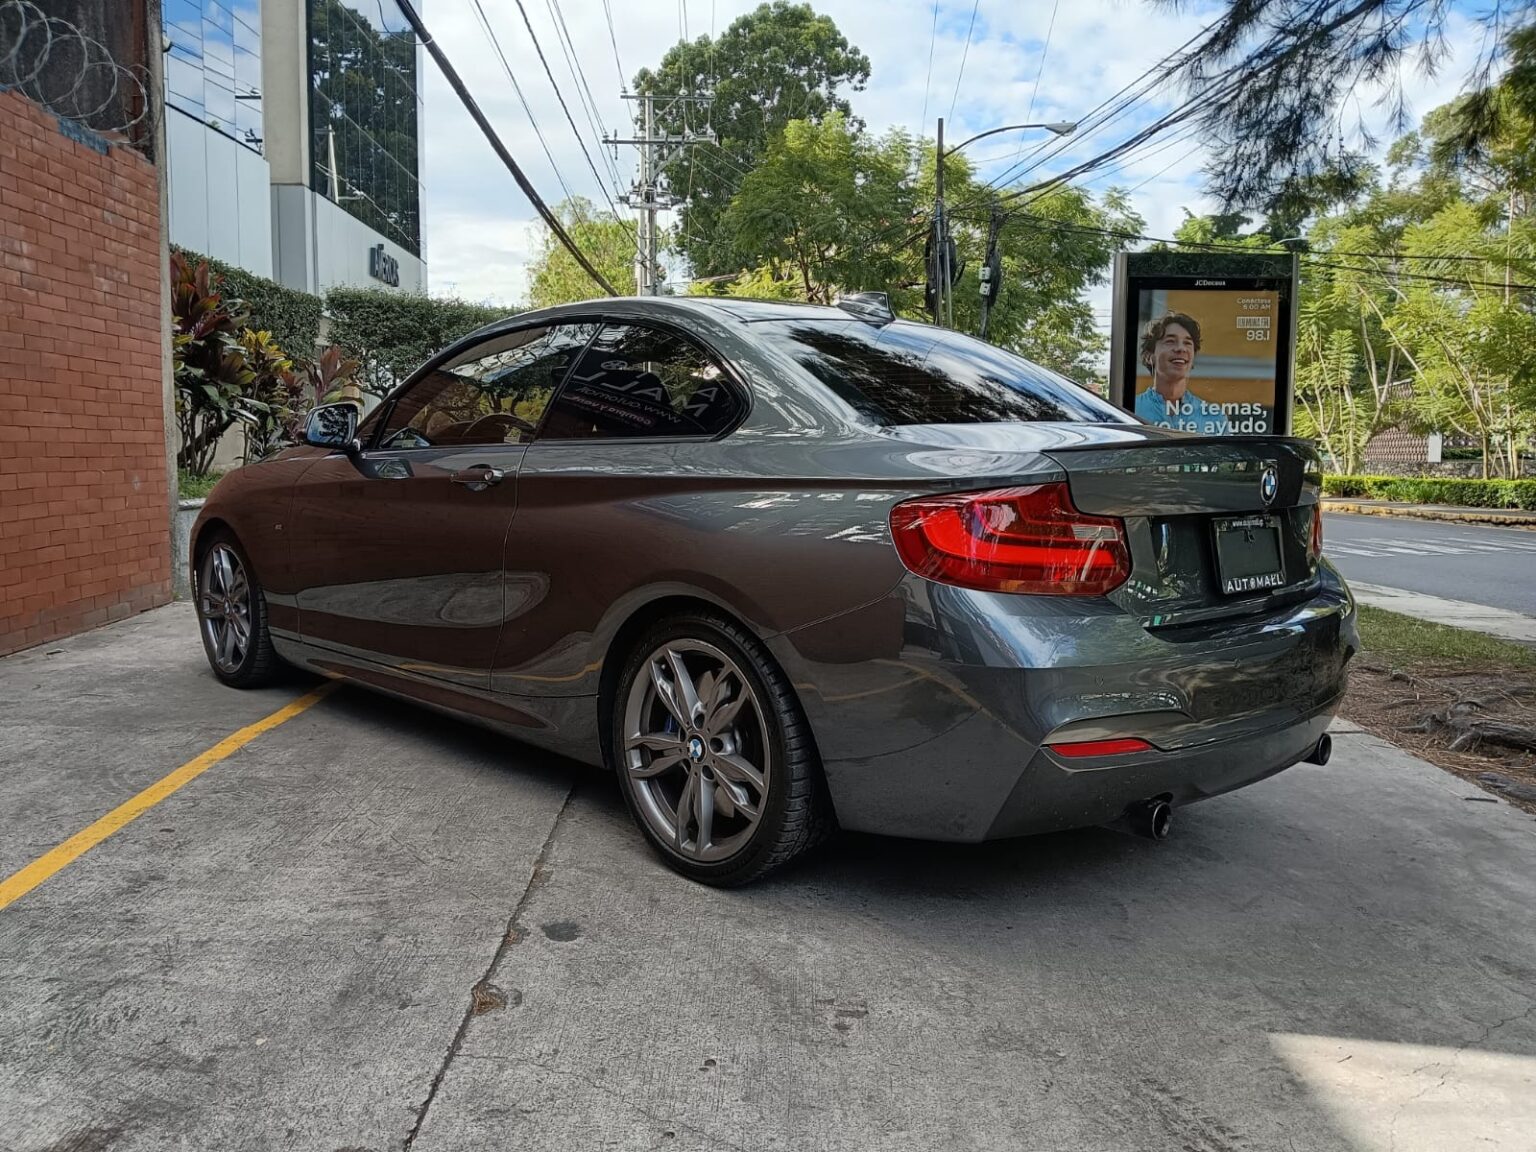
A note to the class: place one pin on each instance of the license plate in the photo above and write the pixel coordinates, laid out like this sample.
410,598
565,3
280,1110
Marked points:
1248,554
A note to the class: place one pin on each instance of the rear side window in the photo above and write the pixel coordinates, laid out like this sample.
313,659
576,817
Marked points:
902,374
635,382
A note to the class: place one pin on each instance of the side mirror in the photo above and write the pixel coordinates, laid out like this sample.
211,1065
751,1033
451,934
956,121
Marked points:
333,426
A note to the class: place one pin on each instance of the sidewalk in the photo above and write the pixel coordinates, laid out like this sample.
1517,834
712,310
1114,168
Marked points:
1504,517
1456,613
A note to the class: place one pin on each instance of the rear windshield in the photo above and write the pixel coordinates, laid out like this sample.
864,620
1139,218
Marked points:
905,374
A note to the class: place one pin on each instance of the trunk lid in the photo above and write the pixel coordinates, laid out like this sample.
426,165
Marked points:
1217,526
1171,489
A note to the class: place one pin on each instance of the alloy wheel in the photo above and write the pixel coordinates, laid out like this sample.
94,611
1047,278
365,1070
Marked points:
224,602
696,750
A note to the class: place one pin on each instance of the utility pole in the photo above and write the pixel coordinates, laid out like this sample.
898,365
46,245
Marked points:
646,195
940,231
944,298
991,269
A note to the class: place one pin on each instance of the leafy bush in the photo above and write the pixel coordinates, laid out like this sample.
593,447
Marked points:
291,316
211,373
391,333
270,402
1433,490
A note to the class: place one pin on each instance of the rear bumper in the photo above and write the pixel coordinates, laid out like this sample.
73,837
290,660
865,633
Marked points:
1051,795
932,711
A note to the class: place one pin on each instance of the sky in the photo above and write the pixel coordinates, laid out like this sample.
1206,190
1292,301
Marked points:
1023,61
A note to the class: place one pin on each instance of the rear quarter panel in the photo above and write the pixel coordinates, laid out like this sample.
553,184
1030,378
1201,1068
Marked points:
604,529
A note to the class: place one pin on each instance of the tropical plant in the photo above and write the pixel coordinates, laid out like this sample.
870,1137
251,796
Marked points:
268,404
210,369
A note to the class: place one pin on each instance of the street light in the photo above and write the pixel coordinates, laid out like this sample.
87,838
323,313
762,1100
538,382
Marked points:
1059,127
942,309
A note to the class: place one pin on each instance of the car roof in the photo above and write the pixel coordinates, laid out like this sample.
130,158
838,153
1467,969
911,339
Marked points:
718,308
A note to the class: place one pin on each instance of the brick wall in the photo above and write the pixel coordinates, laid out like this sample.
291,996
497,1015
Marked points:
84,507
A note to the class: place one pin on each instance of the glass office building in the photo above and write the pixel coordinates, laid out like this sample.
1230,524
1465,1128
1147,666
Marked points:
293,139
213,68
364,112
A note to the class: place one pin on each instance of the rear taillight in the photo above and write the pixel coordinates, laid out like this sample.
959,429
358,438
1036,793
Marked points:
1315,544
1029,540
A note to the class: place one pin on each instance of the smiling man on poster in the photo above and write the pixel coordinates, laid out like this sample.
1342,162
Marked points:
1168,348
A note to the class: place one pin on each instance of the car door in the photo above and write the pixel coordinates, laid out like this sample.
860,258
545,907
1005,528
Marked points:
396,552
615,469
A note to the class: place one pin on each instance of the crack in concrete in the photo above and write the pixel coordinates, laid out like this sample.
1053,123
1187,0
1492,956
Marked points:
536,880
1450,1066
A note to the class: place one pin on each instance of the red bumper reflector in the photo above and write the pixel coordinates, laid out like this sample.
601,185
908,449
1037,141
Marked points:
1123,746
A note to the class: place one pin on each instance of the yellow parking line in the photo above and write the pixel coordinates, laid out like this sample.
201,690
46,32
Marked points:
18,884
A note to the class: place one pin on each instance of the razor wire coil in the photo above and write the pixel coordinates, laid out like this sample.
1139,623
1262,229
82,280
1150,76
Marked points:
75,76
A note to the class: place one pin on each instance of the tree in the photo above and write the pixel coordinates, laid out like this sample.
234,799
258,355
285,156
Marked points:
1268,79
818,206
1052,252
606,240
778,63
830,210
1351,374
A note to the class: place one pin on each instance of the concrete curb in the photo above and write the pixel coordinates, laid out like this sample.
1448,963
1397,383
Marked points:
1500,622
1513,518
181,544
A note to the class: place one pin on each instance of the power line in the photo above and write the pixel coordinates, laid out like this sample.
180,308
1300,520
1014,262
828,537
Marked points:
614,40
490,32
1039,72
963,56
1107,111
584,89
1028,220
450,74
933,36
569,119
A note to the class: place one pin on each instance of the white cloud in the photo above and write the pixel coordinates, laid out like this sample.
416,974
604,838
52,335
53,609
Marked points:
478,224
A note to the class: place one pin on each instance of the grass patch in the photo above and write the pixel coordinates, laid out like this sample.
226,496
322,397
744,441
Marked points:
190,487
1407,640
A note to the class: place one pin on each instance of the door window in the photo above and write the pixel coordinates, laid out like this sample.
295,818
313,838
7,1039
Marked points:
495,393
640,382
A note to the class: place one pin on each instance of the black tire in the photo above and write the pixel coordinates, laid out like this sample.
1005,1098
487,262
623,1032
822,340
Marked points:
796,812
258,664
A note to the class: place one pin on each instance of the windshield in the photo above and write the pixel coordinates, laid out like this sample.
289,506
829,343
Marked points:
906,374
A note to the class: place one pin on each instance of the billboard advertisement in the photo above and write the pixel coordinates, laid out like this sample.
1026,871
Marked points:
1202,342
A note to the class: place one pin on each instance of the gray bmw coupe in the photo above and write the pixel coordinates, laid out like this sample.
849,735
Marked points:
785,568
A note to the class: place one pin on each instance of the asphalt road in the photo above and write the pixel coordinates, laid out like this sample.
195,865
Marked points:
1481,565
374,928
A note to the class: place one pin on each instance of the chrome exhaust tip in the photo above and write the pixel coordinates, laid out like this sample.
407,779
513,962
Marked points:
1152,819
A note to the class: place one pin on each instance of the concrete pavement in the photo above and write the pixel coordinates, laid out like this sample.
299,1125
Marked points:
373,928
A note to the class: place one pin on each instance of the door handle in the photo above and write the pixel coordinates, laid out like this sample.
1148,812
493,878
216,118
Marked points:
478,478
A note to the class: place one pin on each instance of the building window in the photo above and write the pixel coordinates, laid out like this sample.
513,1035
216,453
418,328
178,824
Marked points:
213,70
363,111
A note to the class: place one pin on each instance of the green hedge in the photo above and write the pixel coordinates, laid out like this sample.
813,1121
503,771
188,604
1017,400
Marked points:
1432,490
390,332
393,332
293,317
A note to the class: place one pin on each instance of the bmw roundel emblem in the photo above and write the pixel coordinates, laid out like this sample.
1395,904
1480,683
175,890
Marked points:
1269,485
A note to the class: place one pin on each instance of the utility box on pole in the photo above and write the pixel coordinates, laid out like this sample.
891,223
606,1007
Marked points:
647,196
1205,341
